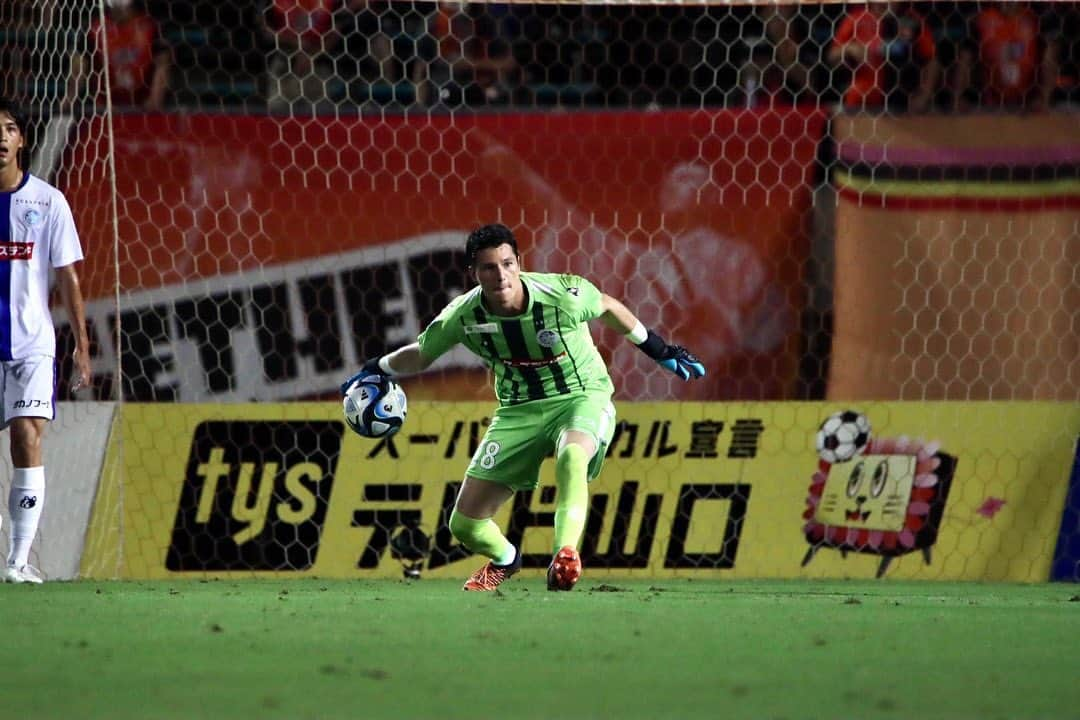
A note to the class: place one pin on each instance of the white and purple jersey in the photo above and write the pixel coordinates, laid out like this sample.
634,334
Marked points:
37,232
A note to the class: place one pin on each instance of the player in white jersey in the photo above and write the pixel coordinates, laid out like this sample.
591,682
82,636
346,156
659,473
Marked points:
37,232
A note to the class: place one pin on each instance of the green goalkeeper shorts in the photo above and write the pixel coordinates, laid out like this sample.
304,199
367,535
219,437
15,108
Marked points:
521,436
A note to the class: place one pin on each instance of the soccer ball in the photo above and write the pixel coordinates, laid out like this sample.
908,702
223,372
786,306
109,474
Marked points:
842,436
375,406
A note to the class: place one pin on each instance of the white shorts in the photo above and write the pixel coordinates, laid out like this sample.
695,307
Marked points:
29,388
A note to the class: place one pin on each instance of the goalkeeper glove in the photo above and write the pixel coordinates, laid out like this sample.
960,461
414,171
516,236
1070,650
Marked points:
673,358
371,367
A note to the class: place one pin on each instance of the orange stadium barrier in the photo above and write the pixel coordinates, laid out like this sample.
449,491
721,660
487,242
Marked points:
956,255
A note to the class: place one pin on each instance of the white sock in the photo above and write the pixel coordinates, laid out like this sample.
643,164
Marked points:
508,556
25,501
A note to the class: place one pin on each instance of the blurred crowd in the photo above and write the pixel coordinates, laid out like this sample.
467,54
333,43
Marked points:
334,55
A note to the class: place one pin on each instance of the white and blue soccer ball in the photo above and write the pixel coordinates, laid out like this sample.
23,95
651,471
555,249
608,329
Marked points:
375,406
842,436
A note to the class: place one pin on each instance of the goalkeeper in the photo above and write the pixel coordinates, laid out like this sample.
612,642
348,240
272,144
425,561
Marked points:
553,388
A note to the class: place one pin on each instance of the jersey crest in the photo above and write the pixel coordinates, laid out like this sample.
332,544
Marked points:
547,338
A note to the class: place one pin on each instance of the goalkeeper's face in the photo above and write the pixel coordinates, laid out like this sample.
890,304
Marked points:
498,272
11,142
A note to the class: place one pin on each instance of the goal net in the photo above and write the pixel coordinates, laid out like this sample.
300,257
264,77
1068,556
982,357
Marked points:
834,206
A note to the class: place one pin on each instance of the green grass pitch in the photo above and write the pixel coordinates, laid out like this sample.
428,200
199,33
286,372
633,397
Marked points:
620,649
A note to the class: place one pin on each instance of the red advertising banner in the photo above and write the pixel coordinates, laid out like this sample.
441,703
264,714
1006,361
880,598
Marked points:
697,220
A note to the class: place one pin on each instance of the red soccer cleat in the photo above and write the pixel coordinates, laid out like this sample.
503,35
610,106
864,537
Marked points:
565,569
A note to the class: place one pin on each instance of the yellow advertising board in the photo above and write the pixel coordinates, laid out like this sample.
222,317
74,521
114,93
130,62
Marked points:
688,489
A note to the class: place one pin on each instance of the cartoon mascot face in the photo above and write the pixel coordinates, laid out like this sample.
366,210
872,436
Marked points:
887,501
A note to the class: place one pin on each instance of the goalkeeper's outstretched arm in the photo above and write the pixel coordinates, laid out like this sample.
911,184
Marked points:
407,360
673,358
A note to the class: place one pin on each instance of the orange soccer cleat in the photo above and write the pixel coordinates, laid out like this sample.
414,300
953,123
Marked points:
565,569
490,576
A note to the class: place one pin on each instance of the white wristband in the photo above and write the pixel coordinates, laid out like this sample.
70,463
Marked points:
637,334
384,365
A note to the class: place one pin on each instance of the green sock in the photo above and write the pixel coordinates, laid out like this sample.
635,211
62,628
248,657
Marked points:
482,537
572,499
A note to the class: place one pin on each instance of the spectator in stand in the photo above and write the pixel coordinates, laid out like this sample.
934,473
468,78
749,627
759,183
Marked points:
379,55
1007,60
18,18
139,60
467,59
892,57
777,73
302,37
368,28
1063,37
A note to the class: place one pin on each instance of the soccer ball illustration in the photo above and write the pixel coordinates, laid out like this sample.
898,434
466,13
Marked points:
375,406
842,436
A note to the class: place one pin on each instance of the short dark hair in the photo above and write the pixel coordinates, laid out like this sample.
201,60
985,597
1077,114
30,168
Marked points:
16,113
488,236
11,108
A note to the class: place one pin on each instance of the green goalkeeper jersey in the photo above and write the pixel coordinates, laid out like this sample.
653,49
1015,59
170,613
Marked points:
545,352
